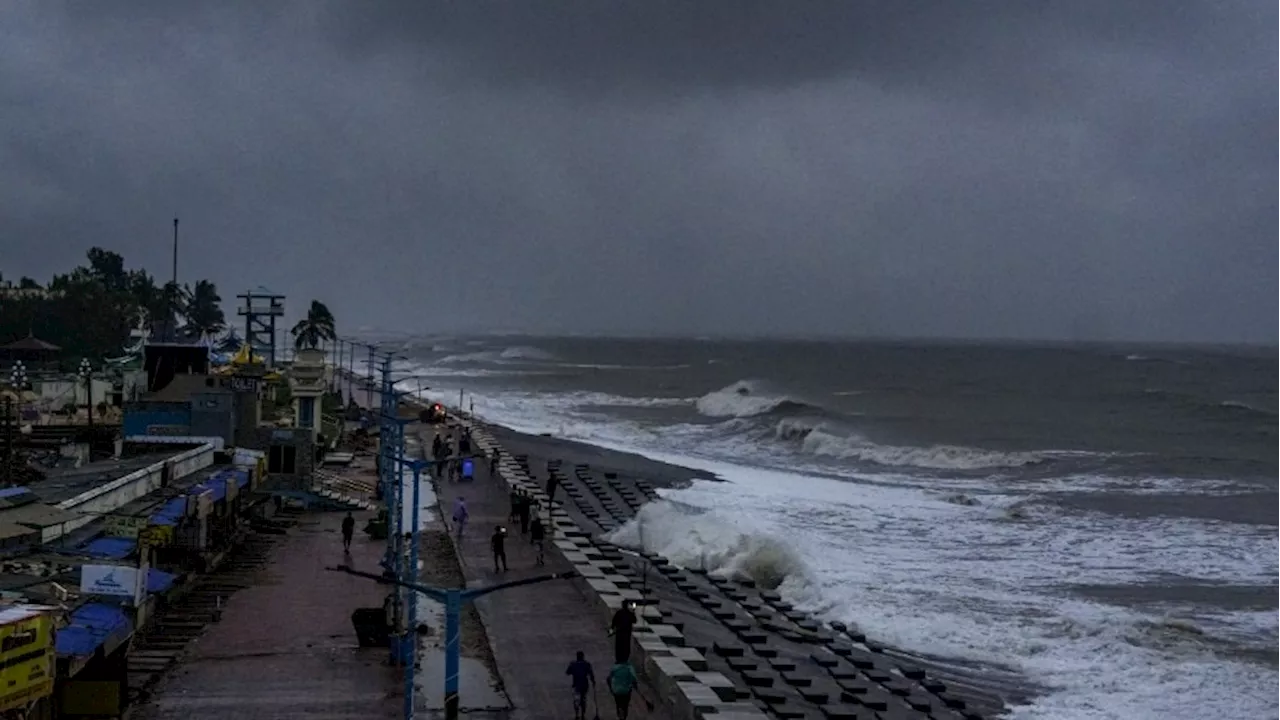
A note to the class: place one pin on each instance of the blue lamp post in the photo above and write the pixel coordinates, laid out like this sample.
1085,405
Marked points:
453,600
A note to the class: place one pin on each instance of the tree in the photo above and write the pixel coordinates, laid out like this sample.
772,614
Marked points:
202,311
27,283
315,328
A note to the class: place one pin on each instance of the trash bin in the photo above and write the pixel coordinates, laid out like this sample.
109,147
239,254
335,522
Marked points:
371,627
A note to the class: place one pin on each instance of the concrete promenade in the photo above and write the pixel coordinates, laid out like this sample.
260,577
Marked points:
285,648
534,630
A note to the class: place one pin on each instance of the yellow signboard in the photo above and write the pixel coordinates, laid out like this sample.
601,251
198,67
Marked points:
26,661
124,526
155,536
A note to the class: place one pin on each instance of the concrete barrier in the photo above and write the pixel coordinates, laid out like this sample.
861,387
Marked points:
658,650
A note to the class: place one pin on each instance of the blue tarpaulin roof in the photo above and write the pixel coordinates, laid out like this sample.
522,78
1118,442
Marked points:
110,547
11,491
92,626
159,581
170,513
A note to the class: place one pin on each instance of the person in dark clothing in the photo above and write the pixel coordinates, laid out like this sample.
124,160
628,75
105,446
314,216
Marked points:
435,447
620,628
348,531
514,517
553,481
538,536
464,443
493,462
525,509
498,543
583,679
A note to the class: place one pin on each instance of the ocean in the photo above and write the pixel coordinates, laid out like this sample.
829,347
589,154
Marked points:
1099,519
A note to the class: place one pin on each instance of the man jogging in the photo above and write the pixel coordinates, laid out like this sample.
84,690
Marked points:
622,680
348,531
583,679
498,544
538,536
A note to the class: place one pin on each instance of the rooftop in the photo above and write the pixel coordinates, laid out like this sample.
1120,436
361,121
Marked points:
64,484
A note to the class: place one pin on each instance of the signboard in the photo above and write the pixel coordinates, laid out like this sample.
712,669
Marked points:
124,527
244,384
26,661
155,536
120,581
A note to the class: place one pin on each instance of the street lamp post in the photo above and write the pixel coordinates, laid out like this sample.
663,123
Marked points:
86,372
18,381
453,600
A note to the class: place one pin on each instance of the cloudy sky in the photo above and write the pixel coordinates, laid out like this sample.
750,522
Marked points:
1075,169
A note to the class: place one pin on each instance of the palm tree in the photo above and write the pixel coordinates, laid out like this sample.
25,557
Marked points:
315,328
202,311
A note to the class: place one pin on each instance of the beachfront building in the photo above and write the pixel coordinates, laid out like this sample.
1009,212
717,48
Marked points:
308,385
31,351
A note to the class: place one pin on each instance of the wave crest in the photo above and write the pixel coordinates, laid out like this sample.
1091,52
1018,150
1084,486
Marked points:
749,398
694,539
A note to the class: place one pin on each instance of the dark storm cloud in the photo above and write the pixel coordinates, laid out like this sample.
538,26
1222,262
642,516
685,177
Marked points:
1068,170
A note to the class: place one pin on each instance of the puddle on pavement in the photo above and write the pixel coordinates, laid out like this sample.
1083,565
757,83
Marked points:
477,687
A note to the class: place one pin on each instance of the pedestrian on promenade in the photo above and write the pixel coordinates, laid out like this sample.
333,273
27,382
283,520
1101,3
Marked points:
498,543
460,515
538,536
494,456
464,444
622,680
514,496
523,510
348,531
553,481
620,628
583,679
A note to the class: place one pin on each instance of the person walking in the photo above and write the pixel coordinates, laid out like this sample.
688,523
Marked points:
538,537
620,628
583,679
622,681
348,531
494,456
524,509
553,481
514,497
460,515
498,544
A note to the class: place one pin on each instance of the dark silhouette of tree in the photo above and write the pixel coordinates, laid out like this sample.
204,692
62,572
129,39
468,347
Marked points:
315,328
90,310
202,310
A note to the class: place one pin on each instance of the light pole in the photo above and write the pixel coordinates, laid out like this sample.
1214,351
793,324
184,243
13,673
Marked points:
453,600
18,381
86,372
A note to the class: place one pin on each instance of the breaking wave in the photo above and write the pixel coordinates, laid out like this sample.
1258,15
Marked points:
692,538
749,398
815,437
515,353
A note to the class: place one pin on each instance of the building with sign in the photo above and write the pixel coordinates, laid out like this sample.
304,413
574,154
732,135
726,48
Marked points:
221,406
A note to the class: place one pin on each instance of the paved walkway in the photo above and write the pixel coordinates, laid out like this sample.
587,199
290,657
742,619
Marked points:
285,648
534,630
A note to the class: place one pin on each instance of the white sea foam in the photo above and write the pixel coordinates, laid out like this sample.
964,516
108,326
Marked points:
744,398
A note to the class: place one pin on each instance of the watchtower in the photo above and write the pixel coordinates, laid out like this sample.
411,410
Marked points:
260,309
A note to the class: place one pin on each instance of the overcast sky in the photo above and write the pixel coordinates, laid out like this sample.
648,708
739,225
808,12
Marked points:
1077,169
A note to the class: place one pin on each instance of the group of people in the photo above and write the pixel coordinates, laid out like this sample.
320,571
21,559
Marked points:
455,455
622,678
524,511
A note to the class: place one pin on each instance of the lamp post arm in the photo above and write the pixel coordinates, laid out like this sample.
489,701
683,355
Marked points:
435,593
478,592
